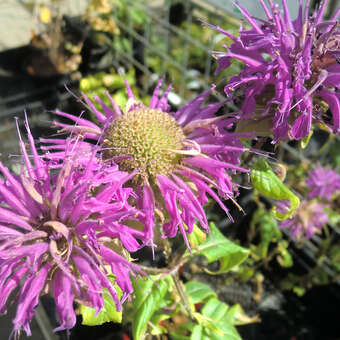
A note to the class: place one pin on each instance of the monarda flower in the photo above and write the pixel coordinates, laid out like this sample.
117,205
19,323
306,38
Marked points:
309,218
178,157
291,75
56,236
323,182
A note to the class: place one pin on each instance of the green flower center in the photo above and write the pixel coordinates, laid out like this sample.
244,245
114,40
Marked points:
150,137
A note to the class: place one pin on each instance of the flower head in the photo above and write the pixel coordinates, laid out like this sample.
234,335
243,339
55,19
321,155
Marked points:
323,182
291,73
177,158
55,234
308,219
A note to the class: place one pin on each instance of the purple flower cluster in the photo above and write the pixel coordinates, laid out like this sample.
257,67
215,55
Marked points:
70,219
176,158
308,219
291,75
323,182
56,235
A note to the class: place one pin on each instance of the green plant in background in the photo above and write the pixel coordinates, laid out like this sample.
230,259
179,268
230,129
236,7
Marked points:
181,50
99,16
112,24
162,304
266,182
271,243
109,82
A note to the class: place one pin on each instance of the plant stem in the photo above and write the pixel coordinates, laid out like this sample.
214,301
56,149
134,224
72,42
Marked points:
182,295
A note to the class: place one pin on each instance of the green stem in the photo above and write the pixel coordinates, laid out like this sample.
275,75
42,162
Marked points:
182,295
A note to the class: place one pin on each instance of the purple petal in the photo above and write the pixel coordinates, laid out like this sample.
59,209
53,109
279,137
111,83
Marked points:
64,297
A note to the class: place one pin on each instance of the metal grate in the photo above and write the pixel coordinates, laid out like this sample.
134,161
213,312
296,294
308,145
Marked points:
168,37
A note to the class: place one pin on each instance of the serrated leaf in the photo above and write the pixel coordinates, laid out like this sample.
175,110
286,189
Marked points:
198,291
214,323
107,314
148,295
268,184
215,310
218,247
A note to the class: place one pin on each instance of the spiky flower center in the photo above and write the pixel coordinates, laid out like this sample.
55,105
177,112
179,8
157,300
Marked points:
150,138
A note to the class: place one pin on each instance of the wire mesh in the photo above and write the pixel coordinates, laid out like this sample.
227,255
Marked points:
169,42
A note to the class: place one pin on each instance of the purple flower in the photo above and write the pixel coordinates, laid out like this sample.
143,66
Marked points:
56,232
177,158
308,219
291,74
323,182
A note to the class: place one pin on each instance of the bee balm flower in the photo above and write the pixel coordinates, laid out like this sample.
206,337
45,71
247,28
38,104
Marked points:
55,234
308,219
178,158
323,182
291,73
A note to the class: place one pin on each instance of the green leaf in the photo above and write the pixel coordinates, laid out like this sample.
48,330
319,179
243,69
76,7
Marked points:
268,229
197,333
148,296
284,258
197,237
334,255
177,336
333,216
299,291
218,247
304,141
198,291
182,330
107,314
217,312
236,316
268,184
244,273
214,323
